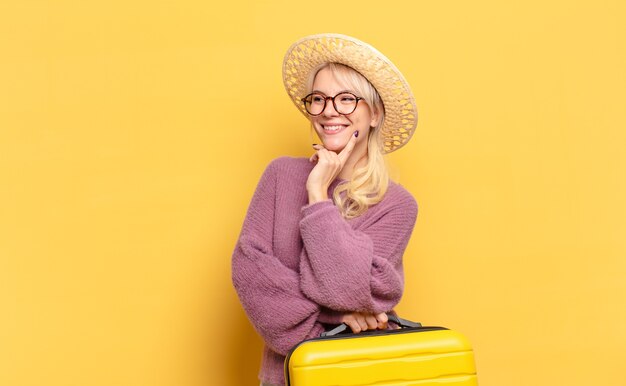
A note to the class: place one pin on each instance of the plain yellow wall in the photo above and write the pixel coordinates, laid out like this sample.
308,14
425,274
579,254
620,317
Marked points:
132,135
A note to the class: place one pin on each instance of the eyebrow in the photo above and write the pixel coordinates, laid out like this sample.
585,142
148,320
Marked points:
323,93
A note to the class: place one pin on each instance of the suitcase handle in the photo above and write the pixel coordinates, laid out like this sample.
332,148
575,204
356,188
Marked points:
403,323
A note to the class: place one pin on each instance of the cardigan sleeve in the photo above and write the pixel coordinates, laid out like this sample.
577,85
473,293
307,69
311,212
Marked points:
268,290
346,269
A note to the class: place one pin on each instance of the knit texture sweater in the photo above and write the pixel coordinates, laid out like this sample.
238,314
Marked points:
298,267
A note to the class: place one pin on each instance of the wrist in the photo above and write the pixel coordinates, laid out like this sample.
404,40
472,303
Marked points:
317,196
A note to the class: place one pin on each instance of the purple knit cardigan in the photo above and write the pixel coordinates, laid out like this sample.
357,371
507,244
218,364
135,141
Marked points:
297,266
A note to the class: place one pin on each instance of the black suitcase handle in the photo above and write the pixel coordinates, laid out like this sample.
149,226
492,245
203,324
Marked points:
392,318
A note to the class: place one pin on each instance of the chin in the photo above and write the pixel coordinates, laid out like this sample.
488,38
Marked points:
334,146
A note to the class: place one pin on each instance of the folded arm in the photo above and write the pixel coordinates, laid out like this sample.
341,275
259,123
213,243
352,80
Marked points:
360,270
268,290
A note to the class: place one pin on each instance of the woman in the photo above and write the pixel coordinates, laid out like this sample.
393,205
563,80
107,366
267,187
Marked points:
323,238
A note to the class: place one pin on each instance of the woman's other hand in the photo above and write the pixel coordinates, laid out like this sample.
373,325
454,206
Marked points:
328,166
359,321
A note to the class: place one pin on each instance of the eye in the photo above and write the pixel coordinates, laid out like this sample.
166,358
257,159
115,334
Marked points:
346,98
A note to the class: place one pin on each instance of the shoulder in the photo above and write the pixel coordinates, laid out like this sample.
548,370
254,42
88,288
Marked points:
397,209
283,175
292,166
399,193
398,198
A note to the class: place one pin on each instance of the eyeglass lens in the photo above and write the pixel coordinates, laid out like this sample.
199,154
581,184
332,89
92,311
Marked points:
344,103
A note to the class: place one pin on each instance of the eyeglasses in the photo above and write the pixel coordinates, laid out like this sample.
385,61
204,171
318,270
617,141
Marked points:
344,103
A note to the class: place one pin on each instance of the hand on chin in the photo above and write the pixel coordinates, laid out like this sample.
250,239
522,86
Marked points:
335,145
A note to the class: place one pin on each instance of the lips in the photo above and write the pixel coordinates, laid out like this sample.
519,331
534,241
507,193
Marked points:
333,128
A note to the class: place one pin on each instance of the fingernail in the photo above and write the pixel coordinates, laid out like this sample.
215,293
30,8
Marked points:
315,144
356,133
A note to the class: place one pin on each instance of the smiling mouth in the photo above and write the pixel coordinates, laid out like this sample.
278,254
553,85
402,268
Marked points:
333,128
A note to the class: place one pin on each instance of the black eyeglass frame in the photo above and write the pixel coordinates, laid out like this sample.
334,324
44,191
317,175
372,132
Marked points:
326,98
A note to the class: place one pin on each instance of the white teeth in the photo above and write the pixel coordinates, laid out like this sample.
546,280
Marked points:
333,128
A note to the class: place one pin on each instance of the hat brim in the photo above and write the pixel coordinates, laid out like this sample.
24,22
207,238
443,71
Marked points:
310,52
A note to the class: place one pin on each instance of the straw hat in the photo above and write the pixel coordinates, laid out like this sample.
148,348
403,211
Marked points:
311,51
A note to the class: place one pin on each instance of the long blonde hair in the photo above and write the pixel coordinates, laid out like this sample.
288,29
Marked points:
368,184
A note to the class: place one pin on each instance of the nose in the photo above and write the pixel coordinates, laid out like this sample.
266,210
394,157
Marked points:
329,109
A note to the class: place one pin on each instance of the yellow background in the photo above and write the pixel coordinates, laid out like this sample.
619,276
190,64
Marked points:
132,135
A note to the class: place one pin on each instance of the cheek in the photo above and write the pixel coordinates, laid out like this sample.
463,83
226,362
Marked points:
364,121
316,125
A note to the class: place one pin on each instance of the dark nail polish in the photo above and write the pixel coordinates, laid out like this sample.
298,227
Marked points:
356,133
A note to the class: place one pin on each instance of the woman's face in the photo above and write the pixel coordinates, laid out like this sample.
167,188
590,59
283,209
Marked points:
335,129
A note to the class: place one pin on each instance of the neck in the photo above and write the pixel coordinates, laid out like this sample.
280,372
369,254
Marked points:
358,159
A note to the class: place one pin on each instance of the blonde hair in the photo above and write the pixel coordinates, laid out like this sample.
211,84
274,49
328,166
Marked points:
368,184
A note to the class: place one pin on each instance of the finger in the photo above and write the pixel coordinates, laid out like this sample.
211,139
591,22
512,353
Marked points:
354,326
382,320
320,152
371,321
328,158
345,153
315,156
362,322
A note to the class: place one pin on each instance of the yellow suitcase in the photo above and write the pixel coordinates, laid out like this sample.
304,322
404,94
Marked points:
411,355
